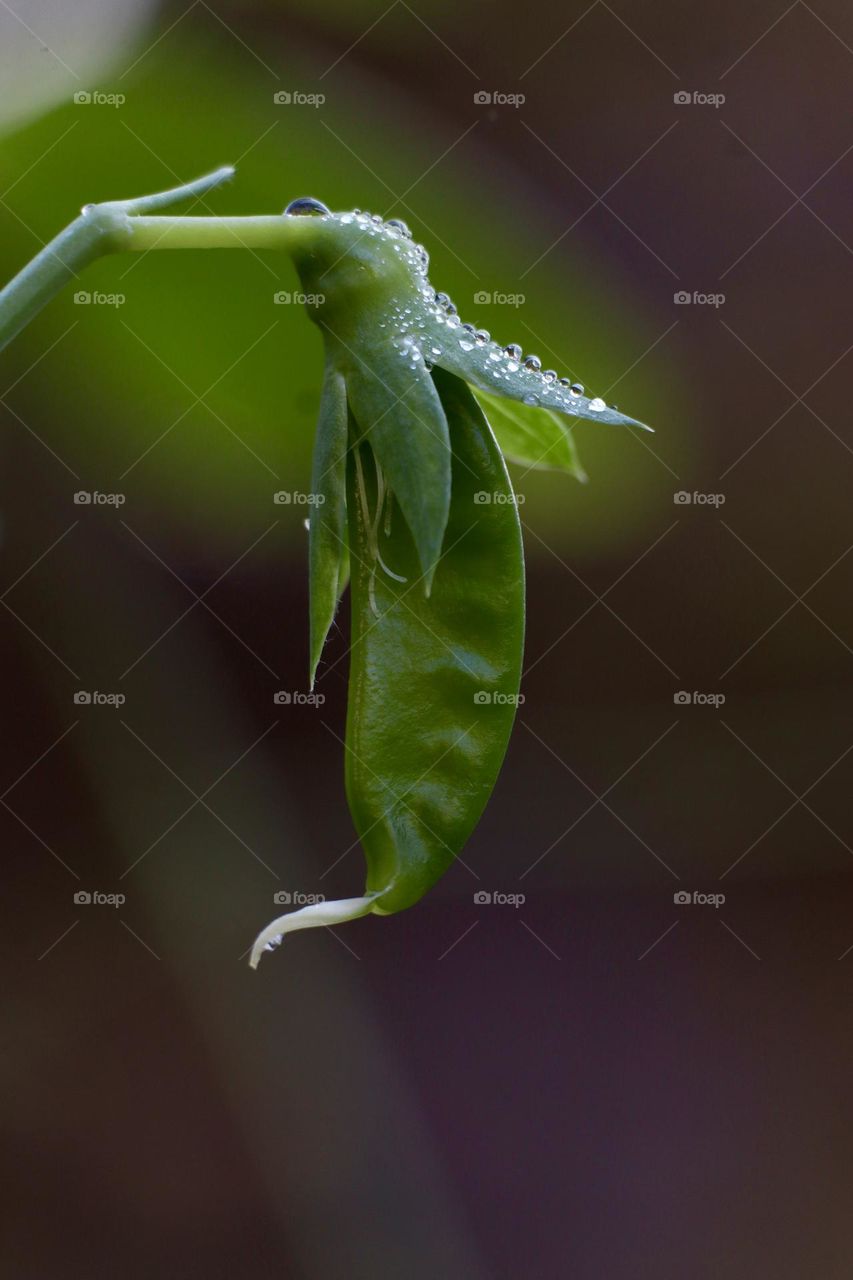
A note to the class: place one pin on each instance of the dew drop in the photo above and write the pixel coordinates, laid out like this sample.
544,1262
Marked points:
550,375
306,206
442,298
466,346
512,366
273,943
400,226
534,363
513,351
482,336
469,328
565,382
531,400
576,388
596,405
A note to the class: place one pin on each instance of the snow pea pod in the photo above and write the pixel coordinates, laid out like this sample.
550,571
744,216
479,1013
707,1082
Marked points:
433,681
418,502
433,684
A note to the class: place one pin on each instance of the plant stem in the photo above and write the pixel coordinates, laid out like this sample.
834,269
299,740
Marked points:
121,225
262,231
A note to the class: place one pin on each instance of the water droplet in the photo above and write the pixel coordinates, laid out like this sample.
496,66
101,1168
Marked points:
576,388
469,328
597,405
451,309
550,375
273,943
376,217
346,219
306,206
534,363
531,400
496,355
87,208
442,298
400,226
513,350
482,336
436,351
466,346
512,366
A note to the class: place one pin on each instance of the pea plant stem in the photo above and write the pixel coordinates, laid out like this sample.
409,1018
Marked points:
131,226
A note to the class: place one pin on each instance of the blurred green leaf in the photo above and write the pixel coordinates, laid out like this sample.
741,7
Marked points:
535,438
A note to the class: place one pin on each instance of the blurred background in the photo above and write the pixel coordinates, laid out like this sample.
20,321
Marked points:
606,1079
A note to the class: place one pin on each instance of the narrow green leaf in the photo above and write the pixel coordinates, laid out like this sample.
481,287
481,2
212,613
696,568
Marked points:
328,558
535,438
397,410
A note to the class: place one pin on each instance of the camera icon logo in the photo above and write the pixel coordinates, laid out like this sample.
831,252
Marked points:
681,99
482,897
482,698
682,298
82,898
282,98
682,498
482,297
282,699
82,298
82,97
482,98
82,498
682,698
681,898
282,498
482,498
282,897
82,698
282,298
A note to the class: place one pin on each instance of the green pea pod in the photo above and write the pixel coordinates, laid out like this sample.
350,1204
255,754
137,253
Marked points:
434,675
433,683
327,545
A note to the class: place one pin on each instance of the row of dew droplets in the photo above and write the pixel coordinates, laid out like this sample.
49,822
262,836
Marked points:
507,361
